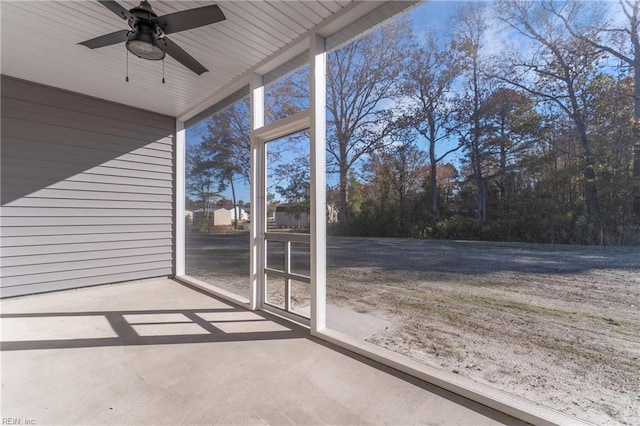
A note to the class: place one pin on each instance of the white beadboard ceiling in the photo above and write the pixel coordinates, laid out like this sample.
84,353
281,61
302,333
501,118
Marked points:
39,43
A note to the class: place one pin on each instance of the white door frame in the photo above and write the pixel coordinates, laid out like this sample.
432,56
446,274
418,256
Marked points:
313,119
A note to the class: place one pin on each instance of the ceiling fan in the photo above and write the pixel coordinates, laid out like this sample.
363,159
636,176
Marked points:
147,37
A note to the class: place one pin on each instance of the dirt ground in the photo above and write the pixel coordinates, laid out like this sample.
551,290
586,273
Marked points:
559,325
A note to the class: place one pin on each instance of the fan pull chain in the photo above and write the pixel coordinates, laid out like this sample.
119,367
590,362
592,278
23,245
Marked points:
127,78
163,71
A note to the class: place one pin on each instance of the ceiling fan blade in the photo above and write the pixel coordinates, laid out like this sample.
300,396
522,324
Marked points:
191,18
106,40
177,53
116,8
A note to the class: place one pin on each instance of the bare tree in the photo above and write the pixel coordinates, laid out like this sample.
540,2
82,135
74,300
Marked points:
557,70
361,76
511,124
200,181
430,74
226,145
470,25
622,41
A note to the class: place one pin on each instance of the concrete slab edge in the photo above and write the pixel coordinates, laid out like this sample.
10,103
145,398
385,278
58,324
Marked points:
213,290
238,300
504,402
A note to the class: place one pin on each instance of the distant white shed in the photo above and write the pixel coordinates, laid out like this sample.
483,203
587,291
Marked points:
289,216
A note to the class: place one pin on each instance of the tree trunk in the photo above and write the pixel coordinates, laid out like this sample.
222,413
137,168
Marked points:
482,194
433,182
235,207
588,173
636,140
502,186
503,175
402,211
477,133
343,209
590,189
343,185
433,178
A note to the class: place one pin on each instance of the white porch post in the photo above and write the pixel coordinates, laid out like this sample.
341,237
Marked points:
258,213
318,92
179,247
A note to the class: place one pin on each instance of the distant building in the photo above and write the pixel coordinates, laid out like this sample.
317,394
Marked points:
243,216
288,216
218,216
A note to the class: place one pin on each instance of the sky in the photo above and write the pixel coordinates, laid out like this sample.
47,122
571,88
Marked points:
436,15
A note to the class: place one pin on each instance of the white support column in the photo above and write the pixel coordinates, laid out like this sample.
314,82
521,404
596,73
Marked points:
179,247
258,191
317,81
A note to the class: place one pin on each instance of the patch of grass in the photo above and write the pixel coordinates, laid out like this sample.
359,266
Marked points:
489,302
612,321
580,352
452,315
428,340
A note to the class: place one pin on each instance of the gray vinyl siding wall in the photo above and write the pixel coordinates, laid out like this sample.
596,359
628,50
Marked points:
87,190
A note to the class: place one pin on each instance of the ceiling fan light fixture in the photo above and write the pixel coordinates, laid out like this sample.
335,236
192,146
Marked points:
147,38
144,44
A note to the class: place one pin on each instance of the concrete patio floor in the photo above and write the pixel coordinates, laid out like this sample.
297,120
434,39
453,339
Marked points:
158,352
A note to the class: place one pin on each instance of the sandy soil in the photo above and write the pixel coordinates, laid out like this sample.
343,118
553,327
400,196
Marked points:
559,325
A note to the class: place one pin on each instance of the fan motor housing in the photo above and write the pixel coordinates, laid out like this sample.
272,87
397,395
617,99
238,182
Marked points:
143,42
143,8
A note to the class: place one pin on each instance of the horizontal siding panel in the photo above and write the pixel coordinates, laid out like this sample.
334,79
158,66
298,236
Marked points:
45,203
82,273
91,195
14,148
136,173
107,144
49,96
36,250
65,137
39,131
88,187
70,221
104,172
85,255
96,125
121,180
87,191
106,187
122,168
67,238
89,178
129,165
65,115
84,282
62,267
24,231
71,212
125,161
